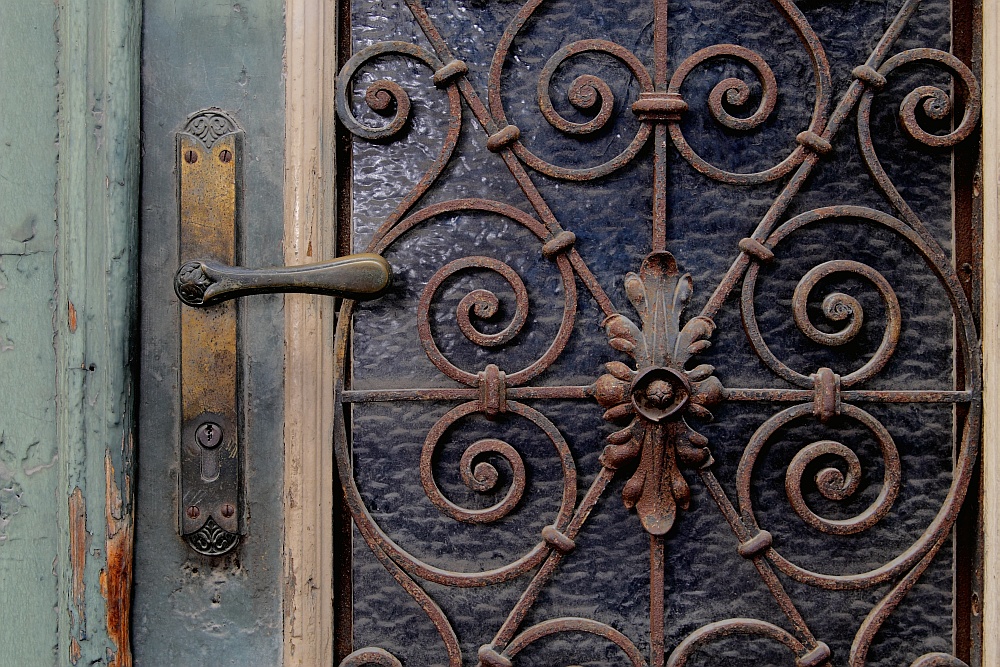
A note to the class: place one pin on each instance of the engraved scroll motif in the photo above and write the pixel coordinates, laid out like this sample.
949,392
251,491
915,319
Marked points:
658,401
208,127
212,540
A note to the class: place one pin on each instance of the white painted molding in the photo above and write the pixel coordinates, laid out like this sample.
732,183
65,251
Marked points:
991,333
310,56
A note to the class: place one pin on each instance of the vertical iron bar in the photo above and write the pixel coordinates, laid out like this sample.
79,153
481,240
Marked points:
657,603
660,80
343,557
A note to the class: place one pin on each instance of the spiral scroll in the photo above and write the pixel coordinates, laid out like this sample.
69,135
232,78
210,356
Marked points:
832,483
382,96
484,477
736,92
935,102
839,307
836,306
482,303
585,93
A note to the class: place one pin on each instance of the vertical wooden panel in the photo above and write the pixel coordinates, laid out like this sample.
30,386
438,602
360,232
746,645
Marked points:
28,452
94,311
309,237
991,331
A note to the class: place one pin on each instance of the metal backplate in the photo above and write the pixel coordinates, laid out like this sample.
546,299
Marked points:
208,167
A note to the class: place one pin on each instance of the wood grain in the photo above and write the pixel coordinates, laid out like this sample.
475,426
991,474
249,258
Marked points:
309,237
95,278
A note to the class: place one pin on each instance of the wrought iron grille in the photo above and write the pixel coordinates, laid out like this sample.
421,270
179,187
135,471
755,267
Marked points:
791,397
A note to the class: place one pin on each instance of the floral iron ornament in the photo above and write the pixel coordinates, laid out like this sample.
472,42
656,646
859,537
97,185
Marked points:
659,393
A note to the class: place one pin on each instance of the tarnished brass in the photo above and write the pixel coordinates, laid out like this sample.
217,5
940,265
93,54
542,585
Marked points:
210,479
208,166
207,282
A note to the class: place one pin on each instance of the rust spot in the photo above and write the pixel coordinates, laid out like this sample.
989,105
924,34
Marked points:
78,540
309,249
74,650
116,580
72,317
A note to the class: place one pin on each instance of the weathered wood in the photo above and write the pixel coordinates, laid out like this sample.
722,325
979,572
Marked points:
94,312
68,179
190,609
309,237
991,332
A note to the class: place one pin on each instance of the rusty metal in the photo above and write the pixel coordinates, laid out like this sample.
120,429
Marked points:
658,397
210,460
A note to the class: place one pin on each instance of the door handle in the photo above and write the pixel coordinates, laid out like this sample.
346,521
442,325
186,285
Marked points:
211,515
208,282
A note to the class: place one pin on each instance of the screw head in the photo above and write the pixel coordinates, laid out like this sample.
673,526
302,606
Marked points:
190,156
226,156
228,510
209,435
193,512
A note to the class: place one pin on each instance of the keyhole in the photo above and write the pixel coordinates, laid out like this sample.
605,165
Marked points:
209,436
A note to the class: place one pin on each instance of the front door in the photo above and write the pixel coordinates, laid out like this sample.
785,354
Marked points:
675,366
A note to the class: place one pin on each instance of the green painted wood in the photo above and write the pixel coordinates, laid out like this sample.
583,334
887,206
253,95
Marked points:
68,180
191,609
28,465
94,313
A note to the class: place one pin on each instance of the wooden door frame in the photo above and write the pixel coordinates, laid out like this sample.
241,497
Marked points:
990,332
310,236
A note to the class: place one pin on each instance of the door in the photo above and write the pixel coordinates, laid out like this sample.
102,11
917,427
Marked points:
675,365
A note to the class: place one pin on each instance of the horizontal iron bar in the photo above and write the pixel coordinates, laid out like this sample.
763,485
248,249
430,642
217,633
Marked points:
571,392
851,396
515,393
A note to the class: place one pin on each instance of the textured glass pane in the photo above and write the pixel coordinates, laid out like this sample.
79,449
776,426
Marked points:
784,493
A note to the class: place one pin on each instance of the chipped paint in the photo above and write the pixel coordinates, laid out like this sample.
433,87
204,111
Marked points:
79,541
116,580
34,470
10,498
72,317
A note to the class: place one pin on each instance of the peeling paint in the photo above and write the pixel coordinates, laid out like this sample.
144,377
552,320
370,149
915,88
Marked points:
72,317
116,581
10,499
78,544
34,470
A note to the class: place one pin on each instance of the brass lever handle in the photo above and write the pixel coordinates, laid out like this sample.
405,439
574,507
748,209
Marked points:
207,282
